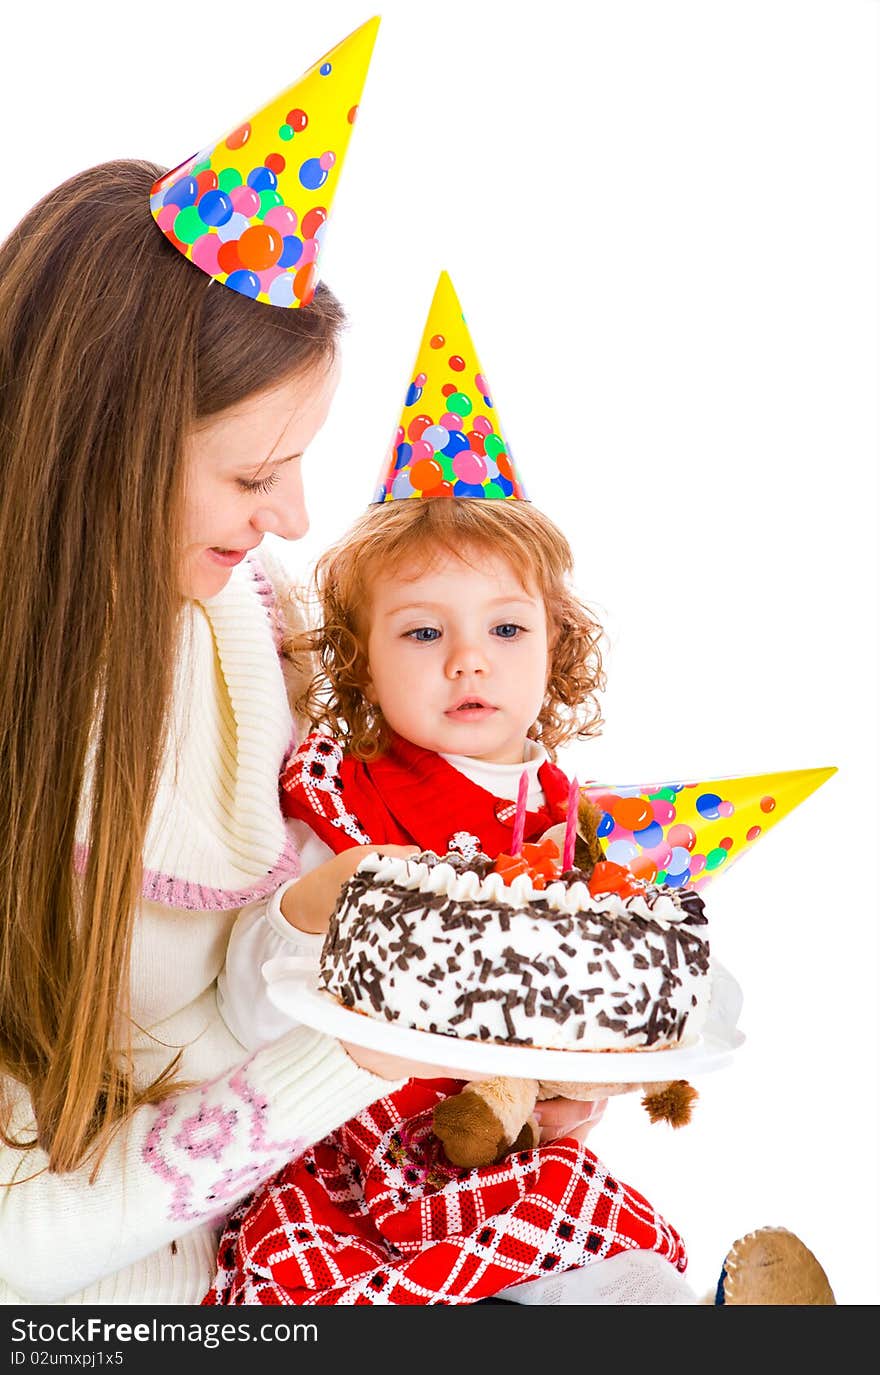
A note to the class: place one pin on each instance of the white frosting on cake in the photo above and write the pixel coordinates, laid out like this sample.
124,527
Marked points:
429,945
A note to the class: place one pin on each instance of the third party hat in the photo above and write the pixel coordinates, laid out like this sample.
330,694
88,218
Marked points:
448,441
250,210
685,834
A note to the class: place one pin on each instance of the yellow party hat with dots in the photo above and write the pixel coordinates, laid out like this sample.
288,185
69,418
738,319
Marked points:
251,209
448,442
686,834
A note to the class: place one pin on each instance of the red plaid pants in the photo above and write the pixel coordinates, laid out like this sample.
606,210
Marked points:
375,1214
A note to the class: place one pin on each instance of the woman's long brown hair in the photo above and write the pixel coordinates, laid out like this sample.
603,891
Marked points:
112,347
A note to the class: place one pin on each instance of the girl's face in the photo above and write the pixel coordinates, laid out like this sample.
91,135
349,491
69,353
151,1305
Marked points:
244,478
459,657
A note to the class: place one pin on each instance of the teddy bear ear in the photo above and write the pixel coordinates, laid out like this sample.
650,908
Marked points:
588,848
557,835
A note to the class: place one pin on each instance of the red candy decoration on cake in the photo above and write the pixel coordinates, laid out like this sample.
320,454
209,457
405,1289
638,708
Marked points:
542,862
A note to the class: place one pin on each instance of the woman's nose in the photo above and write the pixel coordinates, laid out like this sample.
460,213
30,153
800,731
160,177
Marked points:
289,520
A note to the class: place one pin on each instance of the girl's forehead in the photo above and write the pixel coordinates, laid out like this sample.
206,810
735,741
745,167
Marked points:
436,567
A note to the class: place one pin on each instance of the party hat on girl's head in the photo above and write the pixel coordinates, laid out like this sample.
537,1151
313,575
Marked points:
251,209
448,442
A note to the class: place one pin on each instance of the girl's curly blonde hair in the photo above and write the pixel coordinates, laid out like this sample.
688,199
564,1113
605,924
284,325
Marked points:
410,535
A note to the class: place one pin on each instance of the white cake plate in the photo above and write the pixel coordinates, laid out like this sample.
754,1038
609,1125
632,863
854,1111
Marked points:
294,991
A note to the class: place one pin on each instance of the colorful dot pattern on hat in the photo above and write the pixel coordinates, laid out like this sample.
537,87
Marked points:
448,442
251,211
685,834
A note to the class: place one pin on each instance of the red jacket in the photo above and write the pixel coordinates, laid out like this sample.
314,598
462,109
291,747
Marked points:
408,796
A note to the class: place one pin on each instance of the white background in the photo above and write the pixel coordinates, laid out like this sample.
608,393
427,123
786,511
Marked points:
662,220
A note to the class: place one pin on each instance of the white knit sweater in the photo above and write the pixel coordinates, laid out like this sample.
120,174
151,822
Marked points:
145,1231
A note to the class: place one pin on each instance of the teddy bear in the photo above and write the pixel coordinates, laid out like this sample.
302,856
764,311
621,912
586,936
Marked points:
489,1119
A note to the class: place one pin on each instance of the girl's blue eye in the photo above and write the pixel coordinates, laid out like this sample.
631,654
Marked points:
263,484
425,635
507,631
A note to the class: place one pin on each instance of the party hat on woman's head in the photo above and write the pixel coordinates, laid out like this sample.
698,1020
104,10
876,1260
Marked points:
448,442
251,209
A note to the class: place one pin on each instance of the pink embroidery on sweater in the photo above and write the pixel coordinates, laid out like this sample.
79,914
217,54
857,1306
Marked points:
198,897
268,596
240,1144
171,891
207,1132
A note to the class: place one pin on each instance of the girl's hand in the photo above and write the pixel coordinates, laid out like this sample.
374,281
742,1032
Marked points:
308,903
569,1117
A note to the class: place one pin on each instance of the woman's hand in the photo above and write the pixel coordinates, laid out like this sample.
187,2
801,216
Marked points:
569,1117
308,903
393,1067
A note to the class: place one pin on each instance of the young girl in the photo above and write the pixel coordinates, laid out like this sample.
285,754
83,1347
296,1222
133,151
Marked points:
454,655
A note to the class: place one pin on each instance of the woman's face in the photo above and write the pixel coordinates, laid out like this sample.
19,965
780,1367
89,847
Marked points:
244,477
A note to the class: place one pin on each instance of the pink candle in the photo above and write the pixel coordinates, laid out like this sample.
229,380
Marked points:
571,825
519,820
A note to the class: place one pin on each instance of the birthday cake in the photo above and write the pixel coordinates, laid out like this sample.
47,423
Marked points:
452,946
